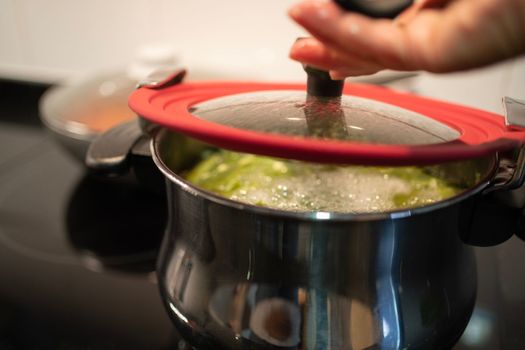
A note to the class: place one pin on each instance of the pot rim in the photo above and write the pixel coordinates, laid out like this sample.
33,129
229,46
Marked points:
313,215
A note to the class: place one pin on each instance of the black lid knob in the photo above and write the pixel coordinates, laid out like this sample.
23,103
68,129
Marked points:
375,8
320,84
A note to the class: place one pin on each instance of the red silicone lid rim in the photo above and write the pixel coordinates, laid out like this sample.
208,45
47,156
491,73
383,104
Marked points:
481,133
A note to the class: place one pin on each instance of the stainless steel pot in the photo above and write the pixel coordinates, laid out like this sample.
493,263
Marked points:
236,276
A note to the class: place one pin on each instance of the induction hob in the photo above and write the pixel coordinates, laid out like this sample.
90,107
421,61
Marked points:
77,254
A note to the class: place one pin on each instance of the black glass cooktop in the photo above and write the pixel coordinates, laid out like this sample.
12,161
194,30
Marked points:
77,254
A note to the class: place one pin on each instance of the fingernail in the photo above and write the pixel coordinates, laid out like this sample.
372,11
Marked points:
304,42
336,75
305,46
297,48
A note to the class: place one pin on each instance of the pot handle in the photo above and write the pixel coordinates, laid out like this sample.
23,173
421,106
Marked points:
498,213
485,221
514,112
377,8
109,153
124,152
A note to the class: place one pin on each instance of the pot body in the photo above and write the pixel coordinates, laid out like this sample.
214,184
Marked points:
235,279
235,276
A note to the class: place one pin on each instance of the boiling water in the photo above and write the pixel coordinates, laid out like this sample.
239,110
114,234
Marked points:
299,186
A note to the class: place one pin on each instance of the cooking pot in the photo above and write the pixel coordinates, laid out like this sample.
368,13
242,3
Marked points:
238,276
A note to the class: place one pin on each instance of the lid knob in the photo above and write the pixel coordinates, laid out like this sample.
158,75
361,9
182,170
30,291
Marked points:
376,8
320,84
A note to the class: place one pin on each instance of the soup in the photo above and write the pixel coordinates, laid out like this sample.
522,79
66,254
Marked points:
299,186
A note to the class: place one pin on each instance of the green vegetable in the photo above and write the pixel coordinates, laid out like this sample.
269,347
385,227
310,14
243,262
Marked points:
300,186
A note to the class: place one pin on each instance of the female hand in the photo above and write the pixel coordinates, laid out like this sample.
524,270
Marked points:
432,35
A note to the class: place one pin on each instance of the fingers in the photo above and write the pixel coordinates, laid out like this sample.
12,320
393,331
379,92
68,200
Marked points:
465,34
352,34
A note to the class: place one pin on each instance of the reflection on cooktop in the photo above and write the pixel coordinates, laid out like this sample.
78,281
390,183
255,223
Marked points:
115,225
109,224
51,228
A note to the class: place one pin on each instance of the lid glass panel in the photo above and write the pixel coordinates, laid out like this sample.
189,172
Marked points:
347,118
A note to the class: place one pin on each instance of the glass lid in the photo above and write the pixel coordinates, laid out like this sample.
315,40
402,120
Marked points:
367,125
87,107
346,118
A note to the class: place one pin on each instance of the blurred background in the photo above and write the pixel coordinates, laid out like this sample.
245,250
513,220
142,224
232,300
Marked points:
55,40
52,40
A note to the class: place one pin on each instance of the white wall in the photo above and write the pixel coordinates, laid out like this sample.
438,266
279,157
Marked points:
48,40
51,39
480,88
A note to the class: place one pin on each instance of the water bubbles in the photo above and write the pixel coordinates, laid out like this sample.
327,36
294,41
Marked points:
296,186
282,187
